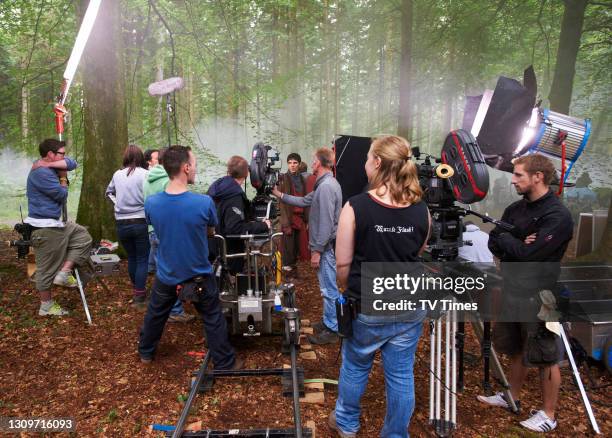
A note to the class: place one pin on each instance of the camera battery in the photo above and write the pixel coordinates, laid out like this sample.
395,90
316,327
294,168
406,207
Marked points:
104,264
249,306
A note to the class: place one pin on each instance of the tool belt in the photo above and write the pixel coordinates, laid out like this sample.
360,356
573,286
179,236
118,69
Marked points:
192,290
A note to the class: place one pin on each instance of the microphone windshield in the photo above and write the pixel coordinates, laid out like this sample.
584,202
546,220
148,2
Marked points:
166,86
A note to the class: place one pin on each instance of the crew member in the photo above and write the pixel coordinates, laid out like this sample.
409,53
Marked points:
368,233
58,246
183,221
234,209
530,263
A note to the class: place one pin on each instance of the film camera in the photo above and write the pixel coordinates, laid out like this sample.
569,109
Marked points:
264,172
23,244
460,174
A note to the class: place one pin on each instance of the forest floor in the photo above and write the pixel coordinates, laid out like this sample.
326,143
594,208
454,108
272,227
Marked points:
62,367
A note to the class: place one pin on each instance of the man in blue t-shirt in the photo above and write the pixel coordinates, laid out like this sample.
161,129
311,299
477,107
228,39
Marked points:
183,221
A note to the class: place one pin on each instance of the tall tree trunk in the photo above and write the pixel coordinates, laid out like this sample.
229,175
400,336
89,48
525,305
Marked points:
569,43
105,118
404,125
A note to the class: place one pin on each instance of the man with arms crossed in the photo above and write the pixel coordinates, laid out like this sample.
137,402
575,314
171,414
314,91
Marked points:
548,225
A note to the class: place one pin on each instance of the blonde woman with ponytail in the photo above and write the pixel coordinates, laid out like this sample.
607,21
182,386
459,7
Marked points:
388,223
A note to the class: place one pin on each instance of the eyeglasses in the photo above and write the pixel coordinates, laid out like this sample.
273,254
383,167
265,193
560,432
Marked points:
60,153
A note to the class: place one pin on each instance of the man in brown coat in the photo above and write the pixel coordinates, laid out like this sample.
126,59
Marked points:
294,220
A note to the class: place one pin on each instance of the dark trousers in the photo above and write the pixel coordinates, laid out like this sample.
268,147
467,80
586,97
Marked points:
163,298
135,239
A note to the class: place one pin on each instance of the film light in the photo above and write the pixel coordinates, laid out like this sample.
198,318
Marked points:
556,135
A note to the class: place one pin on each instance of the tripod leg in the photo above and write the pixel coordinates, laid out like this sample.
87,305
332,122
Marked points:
460,335
585,399
432,361
477,325
486,356
83,299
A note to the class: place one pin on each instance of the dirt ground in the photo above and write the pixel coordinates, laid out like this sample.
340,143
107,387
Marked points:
62,367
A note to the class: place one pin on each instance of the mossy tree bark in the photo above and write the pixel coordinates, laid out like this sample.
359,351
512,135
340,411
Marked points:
105,118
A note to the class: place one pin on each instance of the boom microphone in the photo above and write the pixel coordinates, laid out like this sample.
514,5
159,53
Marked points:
166,86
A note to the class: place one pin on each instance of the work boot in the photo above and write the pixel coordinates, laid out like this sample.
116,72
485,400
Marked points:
181,317
319,326
238,364
326,336
334,426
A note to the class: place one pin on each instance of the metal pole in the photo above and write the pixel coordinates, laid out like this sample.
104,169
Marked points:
195,388
438,365
83,299
432,361
454,369
447,370
168,111
296,392
585,399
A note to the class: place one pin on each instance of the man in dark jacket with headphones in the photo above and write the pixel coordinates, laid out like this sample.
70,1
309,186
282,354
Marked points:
234,209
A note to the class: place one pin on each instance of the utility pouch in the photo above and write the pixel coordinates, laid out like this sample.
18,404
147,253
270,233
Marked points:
192,290
346,312
542,348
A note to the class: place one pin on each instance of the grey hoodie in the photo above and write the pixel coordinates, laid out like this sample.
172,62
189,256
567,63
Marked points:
126,193
325,203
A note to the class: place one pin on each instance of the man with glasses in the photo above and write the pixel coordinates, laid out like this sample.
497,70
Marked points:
58,245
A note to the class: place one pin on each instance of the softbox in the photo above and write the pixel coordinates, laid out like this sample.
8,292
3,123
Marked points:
505,116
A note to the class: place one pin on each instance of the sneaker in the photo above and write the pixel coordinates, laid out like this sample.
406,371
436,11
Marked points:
51,310
146,360
539,422
181,317
65,279
331,421
139,302
326,336
499,400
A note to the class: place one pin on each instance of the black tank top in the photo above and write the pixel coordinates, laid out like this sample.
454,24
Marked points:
384,233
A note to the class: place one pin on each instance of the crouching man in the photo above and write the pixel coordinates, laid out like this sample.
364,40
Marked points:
183,221
58,246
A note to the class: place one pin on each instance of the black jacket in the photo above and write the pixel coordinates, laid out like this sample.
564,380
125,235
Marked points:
539,267
235,216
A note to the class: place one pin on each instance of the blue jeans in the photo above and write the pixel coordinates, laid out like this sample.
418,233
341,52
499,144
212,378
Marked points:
163,296
135,239
178,308
397,342
329,288
154,242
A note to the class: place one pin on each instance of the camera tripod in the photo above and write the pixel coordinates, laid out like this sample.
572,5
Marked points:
453,367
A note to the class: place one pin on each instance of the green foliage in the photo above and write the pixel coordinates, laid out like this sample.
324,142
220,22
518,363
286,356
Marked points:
295,72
